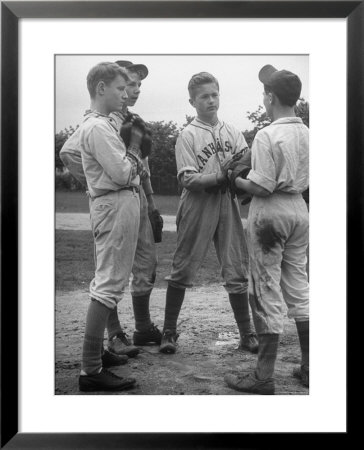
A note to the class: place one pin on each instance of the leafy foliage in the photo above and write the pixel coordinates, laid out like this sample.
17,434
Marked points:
162,159
260,119
60,139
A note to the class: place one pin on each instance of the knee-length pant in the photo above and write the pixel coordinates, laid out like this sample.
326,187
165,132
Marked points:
278,238
201,219
145,261
115,220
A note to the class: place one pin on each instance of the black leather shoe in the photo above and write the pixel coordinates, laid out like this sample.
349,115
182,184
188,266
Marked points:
168,343
151,336
112,359
104,381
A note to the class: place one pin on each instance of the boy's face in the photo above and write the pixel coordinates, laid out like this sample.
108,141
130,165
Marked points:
114,94
268,103
133,88
206,101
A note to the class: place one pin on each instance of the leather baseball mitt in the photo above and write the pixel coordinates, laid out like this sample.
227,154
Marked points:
136,121
156,221
240,168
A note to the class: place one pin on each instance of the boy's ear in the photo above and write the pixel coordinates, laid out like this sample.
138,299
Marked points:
100,88
191,102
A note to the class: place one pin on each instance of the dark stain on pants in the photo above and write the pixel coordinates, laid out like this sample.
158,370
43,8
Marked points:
268,237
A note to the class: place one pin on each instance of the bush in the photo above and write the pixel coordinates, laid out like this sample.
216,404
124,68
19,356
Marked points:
65,181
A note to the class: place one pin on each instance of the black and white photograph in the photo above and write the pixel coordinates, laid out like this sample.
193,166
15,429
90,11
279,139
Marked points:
181,188
181,203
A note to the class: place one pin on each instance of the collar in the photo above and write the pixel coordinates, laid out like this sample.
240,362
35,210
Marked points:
287,120
93,113
201,122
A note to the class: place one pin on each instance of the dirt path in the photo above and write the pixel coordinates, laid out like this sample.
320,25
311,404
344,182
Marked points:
207,347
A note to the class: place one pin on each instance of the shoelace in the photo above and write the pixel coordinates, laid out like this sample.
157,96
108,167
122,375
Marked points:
123,337
170,335
110,374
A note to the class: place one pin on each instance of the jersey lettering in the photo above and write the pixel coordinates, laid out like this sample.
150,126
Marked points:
202,160
207,152
228,146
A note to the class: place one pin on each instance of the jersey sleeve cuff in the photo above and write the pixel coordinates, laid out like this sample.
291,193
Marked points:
186,169
261,180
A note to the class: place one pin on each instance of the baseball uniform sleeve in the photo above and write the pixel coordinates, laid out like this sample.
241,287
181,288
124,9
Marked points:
73,162
197,181
263,170
147,185
70,155
109,151
185,156
240,142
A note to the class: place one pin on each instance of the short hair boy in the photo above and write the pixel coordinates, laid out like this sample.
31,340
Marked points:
277,230
208,211
112,177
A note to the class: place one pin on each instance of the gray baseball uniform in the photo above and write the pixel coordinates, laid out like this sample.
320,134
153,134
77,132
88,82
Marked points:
203,217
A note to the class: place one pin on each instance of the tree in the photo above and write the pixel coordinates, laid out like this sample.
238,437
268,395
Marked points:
260,119
162,160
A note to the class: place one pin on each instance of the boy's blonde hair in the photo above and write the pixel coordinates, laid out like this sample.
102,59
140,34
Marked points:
199,79
106,72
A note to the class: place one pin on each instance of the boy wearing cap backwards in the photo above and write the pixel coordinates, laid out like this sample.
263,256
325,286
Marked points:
277,230
208,212
112,177
145,261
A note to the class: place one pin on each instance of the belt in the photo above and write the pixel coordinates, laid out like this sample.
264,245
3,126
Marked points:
130,188
124,188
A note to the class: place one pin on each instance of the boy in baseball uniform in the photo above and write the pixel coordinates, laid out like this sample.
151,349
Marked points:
208,212
145,261
277,230
113,176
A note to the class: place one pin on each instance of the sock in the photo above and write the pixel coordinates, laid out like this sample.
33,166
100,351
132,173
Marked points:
113,324
240,306
303,329
174,300
267,354
141,312
96,319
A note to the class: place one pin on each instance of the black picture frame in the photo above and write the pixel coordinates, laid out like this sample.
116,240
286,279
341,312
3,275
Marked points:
11,12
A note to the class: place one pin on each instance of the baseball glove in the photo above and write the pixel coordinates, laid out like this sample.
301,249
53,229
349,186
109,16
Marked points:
156,221
240,168
125,131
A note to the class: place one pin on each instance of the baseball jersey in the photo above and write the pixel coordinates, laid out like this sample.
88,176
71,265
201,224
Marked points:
280,156
201,147
103,153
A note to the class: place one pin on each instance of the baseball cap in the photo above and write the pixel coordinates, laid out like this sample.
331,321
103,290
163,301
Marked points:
285,84
141,69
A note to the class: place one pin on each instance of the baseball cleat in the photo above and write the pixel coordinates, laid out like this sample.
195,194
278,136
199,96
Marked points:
168,344
248,383
151,336
110,359
121,345
249,342
104,381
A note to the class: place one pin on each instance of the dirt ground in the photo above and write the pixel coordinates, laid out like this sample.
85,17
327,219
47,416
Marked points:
207,347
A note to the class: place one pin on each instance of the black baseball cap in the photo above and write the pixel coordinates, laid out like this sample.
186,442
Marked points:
140,69
285,84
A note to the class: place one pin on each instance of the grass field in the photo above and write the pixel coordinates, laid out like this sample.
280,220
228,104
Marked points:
75,263
74,249
77,202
